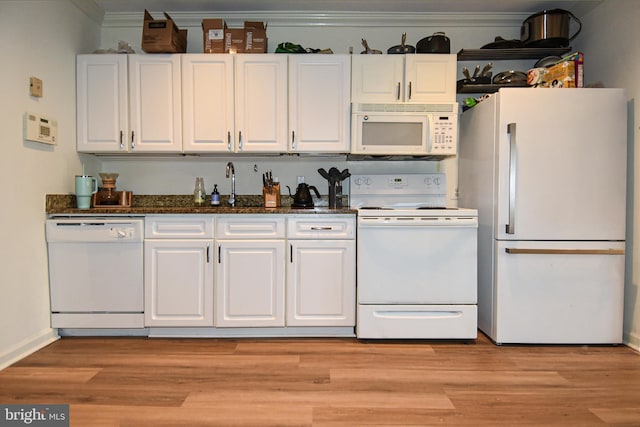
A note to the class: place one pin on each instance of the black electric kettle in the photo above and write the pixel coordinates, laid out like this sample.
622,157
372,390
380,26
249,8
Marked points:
302,198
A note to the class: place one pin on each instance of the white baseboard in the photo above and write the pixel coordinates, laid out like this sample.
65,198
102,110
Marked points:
28,346
632,340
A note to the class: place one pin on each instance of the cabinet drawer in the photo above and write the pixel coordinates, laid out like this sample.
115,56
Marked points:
321,227
178,227
250,227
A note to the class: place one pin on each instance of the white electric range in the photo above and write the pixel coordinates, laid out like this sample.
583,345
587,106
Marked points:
416,259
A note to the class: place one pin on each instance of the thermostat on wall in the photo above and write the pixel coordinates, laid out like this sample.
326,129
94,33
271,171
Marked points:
40,129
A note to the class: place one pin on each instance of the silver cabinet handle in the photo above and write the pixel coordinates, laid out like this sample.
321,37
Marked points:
240,140
321,228
133,144
208,253
564,251
398,92
121,140
229,140
409,98
511,131
293,139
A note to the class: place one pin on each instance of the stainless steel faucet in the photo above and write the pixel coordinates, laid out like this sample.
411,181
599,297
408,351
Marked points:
232,170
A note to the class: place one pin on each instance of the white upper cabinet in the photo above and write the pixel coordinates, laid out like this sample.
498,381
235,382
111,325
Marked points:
319,103
234,103
208,121
208,103
155,103
417,78
261,103
129,103
377,78
430,78
102,103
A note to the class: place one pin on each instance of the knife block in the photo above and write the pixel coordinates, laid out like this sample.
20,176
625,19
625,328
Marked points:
271,196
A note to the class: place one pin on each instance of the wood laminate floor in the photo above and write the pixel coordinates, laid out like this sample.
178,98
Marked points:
327,382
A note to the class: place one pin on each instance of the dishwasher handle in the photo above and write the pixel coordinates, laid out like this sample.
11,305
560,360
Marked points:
94,231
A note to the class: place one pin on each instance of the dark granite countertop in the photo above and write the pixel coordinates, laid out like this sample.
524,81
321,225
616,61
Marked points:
65,204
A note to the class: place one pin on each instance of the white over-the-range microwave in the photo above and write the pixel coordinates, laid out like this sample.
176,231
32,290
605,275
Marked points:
404,129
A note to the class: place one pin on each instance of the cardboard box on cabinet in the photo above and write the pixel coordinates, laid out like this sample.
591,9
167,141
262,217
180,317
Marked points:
255,37
162,35
213,31
218,38
234,40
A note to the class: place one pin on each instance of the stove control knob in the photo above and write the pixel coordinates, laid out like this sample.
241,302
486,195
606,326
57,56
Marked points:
358,181
428,181
437,181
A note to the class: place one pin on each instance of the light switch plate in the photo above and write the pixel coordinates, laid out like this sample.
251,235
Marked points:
35,87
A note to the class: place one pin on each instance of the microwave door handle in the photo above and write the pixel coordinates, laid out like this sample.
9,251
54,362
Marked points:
511,132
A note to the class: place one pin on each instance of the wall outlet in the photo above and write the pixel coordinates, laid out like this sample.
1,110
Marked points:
35,87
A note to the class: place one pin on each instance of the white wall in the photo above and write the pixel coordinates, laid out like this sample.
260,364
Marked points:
612,56
37,38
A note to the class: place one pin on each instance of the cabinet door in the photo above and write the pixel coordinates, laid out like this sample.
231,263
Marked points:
102,98
321,283
261,102
207,103
319,103
430,78
155,103
377,78
178,283
250,283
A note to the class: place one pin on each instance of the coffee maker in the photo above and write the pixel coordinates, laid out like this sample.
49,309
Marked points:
107,195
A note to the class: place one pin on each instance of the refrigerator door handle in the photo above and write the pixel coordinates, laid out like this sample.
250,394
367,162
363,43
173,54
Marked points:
511,131
565,251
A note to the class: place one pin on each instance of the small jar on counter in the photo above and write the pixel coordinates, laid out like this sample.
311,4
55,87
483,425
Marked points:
199,192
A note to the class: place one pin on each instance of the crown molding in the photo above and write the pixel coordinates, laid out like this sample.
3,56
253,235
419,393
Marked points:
91,9
325,19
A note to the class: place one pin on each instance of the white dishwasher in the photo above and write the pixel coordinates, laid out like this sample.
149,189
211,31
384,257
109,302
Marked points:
96,272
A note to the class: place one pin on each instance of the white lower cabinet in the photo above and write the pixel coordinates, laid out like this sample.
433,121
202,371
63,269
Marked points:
294,272
321,275
250,276
178,270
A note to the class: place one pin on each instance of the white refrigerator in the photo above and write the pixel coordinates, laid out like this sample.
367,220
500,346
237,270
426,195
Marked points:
546,169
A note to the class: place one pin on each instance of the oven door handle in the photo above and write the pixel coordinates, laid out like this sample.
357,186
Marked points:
426,222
